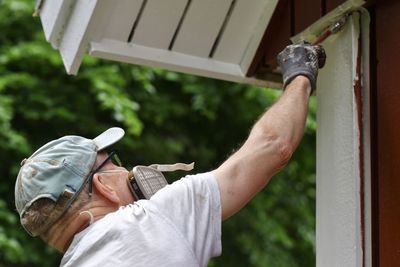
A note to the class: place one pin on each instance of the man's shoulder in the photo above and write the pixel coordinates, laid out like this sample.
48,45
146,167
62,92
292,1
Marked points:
201,183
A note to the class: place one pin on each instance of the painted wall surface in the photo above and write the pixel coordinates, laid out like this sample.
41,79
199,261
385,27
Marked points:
338,230
387,142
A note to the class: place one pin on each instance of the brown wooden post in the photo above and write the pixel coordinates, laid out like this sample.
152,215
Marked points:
386,134
306,12
332,4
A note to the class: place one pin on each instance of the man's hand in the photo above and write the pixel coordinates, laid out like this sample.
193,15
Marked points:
301,59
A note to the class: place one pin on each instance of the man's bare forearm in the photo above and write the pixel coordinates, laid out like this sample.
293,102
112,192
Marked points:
268,148
286,118
275,135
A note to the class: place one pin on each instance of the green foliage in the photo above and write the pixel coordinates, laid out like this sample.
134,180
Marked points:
168,117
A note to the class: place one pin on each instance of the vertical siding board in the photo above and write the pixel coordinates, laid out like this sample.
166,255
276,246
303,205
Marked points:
201,27
306,12
388,131
239,30
121,19
332,4
158,23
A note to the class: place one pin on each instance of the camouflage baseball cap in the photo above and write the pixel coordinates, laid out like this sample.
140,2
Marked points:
57,171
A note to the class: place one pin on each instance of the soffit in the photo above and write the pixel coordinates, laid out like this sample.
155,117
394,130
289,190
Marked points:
211,38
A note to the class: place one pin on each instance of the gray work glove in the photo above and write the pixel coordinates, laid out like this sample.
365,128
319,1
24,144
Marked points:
301,59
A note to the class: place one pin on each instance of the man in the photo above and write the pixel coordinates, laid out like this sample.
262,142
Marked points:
72,195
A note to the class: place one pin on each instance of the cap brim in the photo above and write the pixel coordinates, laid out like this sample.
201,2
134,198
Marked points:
108,138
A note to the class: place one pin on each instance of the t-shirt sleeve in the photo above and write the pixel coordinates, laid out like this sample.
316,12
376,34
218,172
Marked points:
193,205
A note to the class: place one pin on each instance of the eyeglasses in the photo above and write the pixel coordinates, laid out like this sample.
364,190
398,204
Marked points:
111,156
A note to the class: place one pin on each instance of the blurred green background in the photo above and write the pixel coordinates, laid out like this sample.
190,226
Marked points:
168,117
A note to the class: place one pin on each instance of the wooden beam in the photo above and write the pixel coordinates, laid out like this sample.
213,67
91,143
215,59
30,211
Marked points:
153,57
387,139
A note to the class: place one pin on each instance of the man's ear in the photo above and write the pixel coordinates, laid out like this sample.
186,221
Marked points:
104,189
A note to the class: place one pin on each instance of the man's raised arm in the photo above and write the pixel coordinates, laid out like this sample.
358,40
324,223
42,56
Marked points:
275,136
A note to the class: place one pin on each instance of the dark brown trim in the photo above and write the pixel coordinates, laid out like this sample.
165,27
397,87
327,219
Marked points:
387,140
275,37
374,143
323,7
306,12
292,18
332,4
359,107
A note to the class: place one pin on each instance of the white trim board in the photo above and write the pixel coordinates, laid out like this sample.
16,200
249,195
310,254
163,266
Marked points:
340,220
153,57
54,16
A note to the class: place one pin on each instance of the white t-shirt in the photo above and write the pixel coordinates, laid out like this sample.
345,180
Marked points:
179,226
